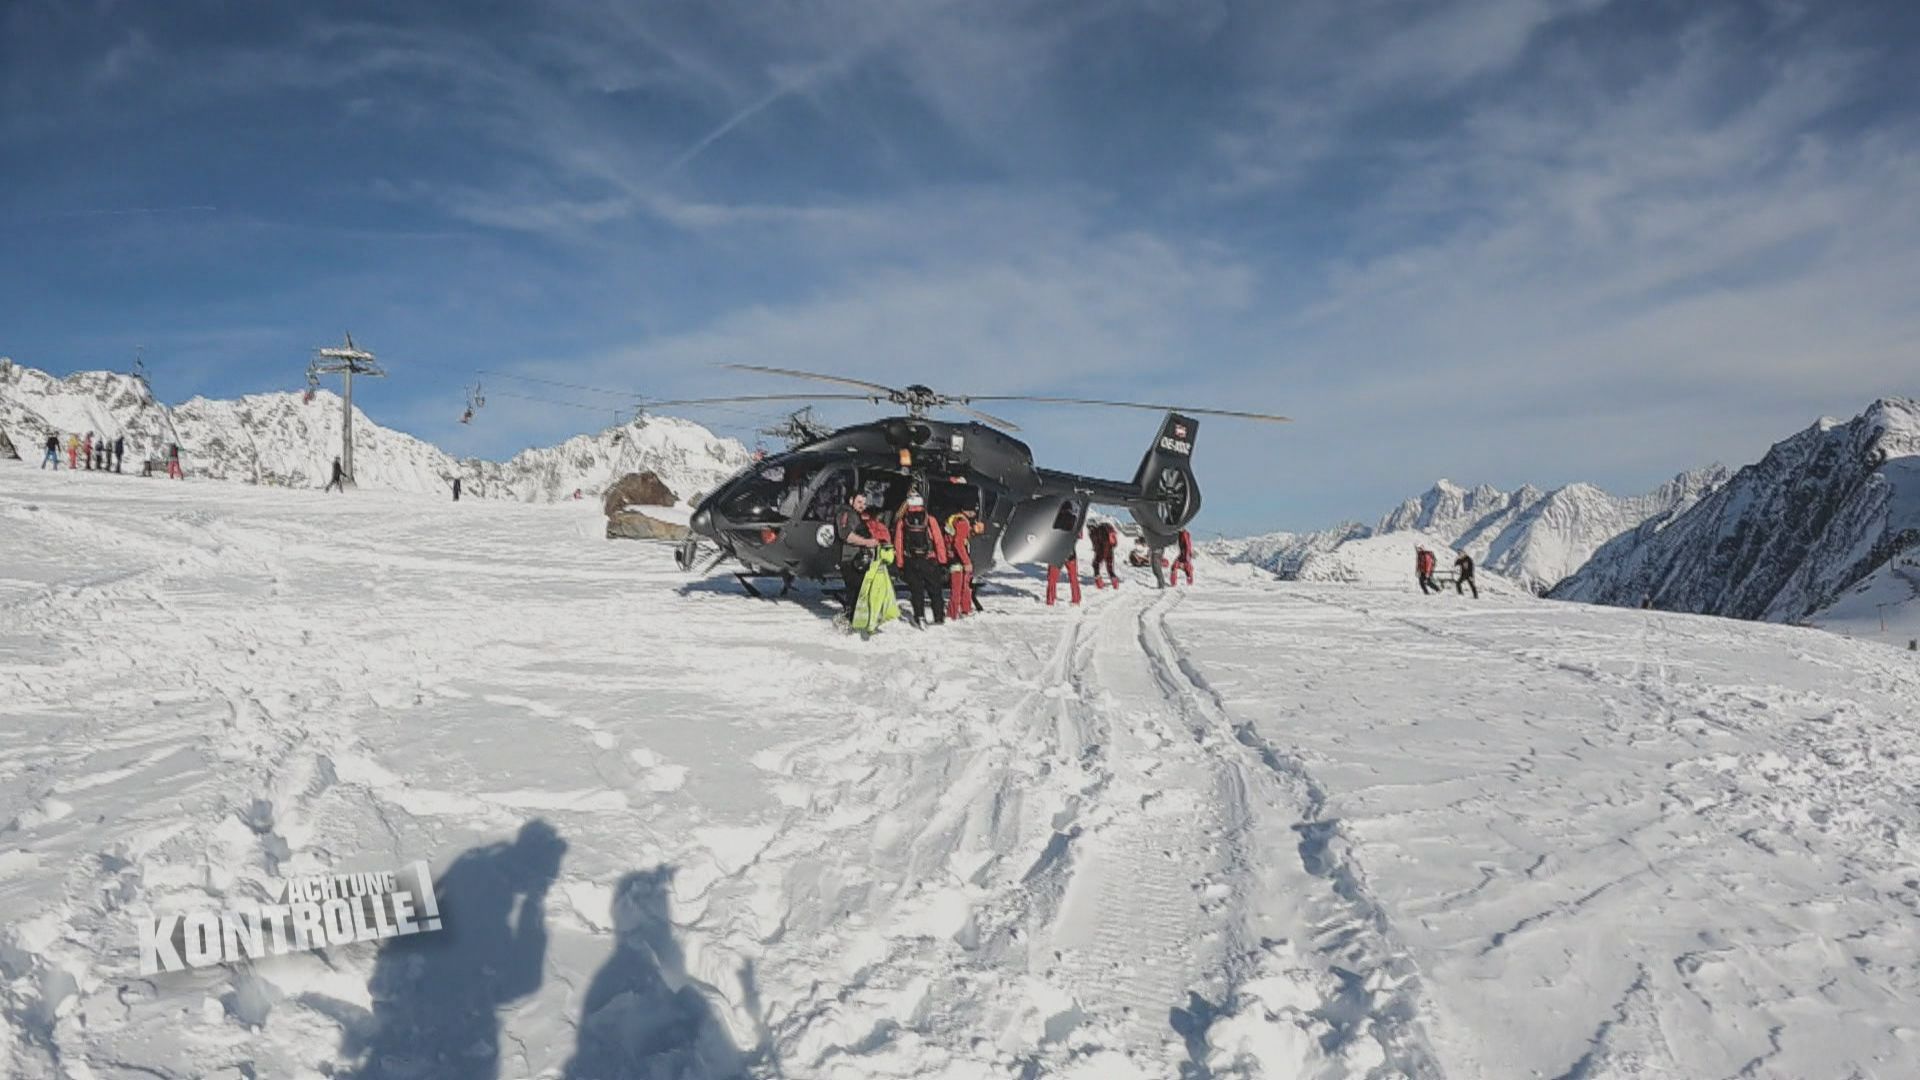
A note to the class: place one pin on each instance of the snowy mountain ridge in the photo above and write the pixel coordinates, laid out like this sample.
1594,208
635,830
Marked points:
1784,538
288,439
1531,536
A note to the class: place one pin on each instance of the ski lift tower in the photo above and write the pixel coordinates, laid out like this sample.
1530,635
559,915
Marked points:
345,361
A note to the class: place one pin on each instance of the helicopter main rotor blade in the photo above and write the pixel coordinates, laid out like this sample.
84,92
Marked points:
988,417
1133,405
758,397
887,391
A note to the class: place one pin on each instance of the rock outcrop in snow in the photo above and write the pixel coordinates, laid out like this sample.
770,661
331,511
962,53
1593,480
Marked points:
1530,536
291,439
1785,537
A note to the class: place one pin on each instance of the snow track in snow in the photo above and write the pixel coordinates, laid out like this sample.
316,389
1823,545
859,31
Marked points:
1244,830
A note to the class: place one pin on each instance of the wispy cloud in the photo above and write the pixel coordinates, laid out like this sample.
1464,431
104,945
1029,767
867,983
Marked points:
1512,240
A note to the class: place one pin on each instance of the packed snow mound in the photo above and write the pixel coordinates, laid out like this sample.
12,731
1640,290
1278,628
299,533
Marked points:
286,439
1533,537
1785,537
1388,561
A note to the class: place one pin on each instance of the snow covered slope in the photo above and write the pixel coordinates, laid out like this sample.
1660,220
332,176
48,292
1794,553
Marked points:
1784,537
286,440
1250,829
1883,606
1534,537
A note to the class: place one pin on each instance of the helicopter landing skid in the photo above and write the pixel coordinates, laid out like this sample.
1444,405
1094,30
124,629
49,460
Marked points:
745,579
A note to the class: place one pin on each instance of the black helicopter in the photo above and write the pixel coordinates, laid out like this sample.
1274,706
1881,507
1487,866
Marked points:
775,517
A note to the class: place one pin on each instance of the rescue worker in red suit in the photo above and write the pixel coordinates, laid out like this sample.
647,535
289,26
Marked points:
1065,521
1106,541
1423,563
960,564
1183,559
920,551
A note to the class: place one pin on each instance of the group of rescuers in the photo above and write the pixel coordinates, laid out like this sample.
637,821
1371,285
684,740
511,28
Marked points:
1424,562
933,557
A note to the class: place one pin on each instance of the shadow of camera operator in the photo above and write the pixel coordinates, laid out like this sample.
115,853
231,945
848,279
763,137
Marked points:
437,995
644,1016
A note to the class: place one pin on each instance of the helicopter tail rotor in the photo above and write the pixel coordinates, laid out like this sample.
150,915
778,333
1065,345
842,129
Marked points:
1169,494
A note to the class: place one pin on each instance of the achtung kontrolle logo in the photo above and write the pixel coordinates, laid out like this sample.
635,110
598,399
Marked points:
316,911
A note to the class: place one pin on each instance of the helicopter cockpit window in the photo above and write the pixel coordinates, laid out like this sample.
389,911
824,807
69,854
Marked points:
831,495
770,495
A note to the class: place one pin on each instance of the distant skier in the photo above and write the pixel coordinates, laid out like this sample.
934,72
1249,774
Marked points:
53,452
1423,563
1463,576
920,551
173,462
86,451
1183,557
73,451
338,483
119,452
456,489
1106,541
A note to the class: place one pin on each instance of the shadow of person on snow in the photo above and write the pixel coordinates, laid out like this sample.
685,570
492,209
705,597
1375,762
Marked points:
644,1017
437,995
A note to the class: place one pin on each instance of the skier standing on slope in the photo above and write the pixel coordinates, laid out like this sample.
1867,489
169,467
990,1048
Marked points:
173,462
73,451
1106,541
86,451
859,535
119,452
53,452
920,551
1184,557
1423,563
337,483
1463,576
960,564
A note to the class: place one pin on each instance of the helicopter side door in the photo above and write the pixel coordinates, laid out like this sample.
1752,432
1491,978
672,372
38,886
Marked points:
816,541
1043,531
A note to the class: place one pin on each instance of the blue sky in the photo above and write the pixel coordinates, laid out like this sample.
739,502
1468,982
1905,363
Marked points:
1509,241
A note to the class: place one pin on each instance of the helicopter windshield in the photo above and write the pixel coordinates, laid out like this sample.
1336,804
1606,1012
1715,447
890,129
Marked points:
769,496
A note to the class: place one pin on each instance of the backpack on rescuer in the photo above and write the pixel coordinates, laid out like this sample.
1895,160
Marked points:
917,540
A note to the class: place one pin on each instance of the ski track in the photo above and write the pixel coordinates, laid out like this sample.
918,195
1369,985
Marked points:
1710,982
1240,831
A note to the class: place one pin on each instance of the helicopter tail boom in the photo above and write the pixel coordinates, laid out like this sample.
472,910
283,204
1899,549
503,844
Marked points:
1164,495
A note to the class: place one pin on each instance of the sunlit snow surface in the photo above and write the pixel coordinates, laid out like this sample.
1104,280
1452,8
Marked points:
1246,829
